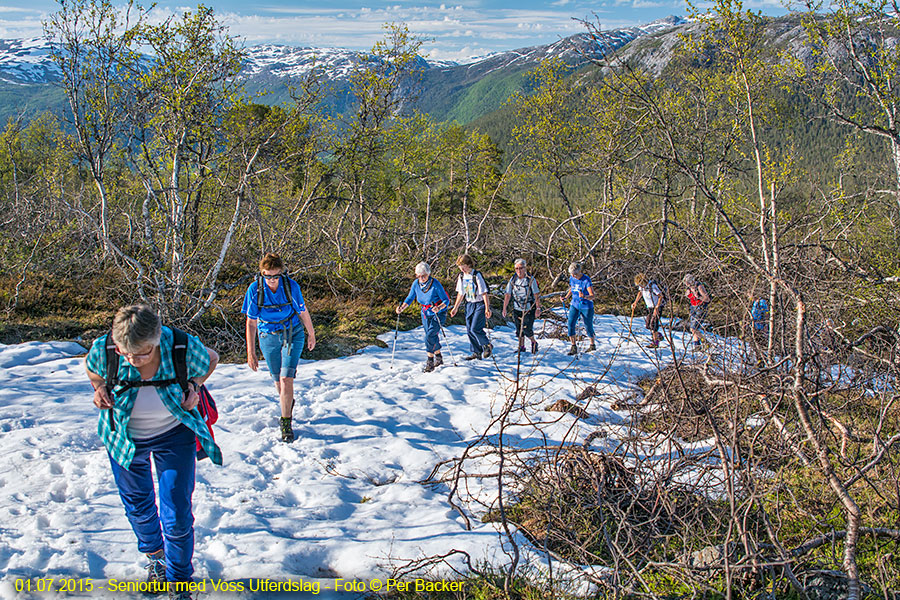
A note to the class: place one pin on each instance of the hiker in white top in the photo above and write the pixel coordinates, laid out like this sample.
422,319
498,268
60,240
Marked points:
523,290
655,298
471,286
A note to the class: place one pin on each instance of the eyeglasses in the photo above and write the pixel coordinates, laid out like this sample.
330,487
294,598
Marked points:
132,356
517,268
271,276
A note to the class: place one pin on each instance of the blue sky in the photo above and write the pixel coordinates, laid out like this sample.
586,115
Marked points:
454,30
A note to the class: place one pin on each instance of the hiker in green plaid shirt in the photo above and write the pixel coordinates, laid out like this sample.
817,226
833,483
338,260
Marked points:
143,421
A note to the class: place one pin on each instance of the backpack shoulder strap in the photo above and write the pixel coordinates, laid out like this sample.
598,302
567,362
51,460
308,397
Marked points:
112,363
179,357
260,291
112,374
286,283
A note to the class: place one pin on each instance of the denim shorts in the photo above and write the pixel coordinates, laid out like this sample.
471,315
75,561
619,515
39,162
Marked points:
281,360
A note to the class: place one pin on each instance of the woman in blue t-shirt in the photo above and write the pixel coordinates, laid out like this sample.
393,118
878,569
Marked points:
275,309
581,290
430,294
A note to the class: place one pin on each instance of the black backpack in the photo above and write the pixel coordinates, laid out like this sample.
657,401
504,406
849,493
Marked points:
206,406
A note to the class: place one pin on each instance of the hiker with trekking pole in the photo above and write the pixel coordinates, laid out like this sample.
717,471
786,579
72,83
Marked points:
655,298
430,294
523,290
148,383
275,310
581,290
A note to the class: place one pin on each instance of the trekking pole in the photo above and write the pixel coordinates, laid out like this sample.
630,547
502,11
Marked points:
630,332
394,349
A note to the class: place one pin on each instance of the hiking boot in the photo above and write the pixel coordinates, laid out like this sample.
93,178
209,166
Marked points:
438,360
592,347
697,346
521,349
287,432
429,365
653,345
156,570
573,350
487,351
473,356
176,594
534,347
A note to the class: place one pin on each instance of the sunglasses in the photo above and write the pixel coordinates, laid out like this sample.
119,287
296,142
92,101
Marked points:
271,276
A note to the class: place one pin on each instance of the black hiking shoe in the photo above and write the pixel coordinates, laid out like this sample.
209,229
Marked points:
429,365
573,350
488,349
287,432
438,359
591,348
473,356
176,594
156,572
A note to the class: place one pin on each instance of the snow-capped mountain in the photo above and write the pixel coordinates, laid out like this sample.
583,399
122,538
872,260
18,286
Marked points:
27,61
447,90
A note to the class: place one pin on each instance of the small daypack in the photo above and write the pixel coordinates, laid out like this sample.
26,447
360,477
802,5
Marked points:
206,406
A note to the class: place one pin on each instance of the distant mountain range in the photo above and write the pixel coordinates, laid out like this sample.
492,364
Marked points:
461,91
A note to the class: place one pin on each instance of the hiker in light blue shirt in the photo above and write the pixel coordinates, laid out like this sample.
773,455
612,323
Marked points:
430,294
581,290
275,309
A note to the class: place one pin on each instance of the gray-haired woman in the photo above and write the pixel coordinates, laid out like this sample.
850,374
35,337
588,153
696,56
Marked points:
151,415
431,296
523,290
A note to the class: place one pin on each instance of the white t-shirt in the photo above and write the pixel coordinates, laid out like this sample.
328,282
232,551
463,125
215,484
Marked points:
651,294
149,416
470,286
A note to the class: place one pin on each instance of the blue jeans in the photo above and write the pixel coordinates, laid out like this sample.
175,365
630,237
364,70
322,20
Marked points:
174,457
432,324
281,359
475,322
586,313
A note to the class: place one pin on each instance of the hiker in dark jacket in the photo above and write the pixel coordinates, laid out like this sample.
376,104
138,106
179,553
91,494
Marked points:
523,290
159,421
431,296
275,309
